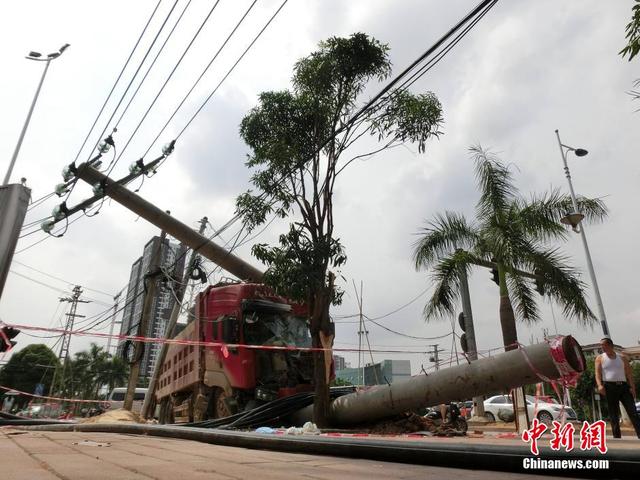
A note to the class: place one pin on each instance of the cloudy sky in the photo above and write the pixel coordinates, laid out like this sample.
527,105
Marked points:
526,69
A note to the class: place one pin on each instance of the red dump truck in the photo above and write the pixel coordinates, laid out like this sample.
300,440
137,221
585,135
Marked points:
200,382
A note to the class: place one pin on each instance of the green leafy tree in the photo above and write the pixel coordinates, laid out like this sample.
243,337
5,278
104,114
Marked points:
632,48
25,369
300,142
89,371
512,233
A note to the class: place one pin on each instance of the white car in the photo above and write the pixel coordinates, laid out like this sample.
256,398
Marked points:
116,399
547,409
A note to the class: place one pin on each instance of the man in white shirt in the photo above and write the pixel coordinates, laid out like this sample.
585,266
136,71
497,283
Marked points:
615,381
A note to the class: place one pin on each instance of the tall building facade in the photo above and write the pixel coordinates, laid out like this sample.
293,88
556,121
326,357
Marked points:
172,261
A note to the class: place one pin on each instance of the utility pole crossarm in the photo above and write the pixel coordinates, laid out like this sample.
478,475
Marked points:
196,241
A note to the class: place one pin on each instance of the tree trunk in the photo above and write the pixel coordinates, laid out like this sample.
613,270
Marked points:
320,325
507,317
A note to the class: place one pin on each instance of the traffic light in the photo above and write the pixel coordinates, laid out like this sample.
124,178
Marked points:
539,281
463,343
6,334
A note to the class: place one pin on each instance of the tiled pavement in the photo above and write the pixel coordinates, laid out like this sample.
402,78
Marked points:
98,456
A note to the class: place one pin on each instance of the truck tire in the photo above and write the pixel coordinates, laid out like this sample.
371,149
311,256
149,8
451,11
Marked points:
220,407
166,411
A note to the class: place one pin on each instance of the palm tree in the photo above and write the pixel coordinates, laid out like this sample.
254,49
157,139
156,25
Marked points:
513,236
115,373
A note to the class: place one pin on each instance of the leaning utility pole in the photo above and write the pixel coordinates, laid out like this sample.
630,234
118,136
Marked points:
147,312
149,400
173,227
68,330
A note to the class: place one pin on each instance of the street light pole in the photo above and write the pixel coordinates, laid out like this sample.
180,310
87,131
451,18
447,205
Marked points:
32,56
580,152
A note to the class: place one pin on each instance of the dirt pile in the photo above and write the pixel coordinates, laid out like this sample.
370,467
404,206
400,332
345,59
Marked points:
115,416
412,423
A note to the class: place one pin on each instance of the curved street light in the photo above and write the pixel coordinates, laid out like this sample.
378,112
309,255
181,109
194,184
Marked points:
36,56
574,219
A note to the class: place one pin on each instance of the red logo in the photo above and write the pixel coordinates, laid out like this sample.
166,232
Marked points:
562,436
594,436
533,434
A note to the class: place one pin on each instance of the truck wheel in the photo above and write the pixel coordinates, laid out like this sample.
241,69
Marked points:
165,411
220,405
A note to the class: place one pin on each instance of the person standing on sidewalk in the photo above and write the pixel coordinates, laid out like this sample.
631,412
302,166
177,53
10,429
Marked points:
615,382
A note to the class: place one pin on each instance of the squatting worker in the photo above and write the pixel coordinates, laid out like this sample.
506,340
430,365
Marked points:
615,382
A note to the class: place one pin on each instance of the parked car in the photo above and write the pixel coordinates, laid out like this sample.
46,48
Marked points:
500,407
115,399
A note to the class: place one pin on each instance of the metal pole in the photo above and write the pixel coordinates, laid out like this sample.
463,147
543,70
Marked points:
147,312
113,321
592,273
149,401
26,124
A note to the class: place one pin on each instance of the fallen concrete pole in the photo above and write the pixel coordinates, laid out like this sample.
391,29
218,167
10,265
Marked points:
561,356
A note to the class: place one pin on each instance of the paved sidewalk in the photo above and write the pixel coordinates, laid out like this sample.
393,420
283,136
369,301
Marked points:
108,456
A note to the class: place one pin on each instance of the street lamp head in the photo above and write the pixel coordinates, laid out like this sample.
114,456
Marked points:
572,219
580,152
64,47
34,54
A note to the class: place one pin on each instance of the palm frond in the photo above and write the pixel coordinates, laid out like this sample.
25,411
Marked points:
495,183
562,284
446,277
522,298
539,218
554,205
441,237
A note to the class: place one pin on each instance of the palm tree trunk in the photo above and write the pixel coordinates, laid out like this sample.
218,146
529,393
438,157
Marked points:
507,316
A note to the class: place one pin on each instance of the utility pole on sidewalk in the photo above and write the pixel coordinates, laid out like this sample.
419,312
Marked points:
434,355
149,400
470,337
147,312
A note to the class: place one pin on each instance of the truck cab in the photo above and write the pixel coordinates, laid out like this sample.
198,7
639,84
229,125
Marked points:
247,354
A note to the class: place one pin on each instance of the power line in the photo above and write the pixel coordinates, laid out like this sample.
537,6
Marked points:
193,39
116,82
232,68
62,279
60,290
166,40
184,99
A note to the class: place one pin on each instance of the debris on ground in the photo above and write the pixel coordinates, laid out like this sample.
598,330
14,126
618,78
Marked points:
91,443
412,423
119,415
308,428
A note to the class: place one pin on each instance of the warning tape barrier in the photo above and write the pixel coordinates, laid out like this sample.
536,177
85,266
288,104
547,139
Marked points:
59,399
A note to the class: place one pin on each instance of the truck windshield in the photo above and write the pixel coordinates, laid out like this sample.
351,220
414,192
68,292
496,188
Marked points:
276,328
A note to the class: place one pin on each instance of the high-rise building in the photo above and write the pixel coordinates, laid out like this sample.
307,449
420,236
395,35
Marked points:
339,362
172,260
